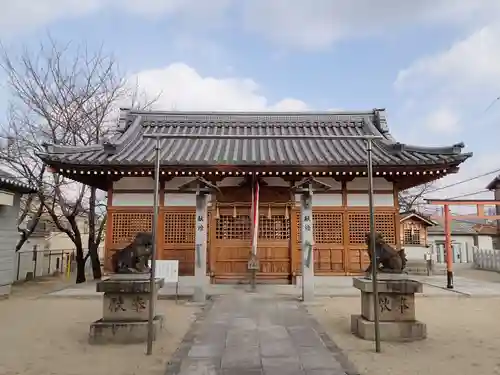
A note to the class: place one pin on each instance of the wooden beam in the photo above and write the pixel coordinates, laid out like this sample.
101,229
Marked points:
463,202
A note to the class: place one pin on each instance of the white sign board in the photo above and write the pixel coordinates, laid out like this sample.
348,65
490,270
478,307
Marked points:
167,270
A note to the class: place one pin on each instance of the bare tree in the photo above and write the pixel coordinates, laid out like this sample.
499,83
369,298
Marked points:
412,198
66,95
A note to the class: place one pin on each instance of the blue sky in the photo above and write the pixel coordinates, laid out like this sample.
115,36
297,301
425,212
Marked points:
433,64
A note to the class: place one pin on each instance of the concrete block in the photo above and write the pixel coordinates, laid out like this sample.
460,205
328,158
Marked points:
102,332
391,306
389,331
126,307
400,284
121,284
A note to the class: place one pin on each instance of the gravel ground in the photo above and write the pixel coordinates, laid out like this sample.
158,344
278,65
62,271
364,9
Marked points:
49,336
463,338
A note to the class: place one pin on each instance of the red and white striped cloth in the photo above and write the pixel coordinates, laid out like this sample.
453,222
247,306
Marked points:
255,212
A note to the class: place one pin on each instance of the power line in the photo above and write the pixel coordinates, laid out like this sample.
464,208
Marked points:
468,194
492,104
464,181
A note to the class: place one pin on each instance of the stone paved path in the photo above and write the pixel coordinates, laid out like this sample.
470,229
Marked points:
248,334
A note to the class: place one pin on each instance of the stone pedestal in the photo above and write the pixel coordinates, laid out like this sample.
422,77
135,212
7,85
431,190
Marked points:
396,307
125,310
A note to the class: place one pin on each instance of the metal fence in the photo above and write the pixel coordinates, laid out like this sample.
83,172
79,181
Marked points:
488,260
32,264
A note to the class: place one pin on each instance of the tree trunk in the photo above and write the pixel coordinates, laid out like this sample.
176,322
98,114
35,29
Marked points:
93,244
80,265
22,240
96,264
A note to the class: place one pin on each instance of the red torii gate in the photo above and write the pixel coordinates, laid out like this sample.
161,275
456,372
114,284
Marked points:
446,203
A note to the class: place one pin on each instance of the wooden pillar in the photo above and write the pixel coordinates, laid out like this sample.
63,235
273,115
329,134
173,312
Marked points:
397,223
293,242
345,229
447,240
108,239
160,239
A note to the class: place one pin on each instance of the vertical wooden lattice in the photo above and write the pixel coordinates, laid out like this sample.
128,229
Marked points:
179,228
327,227
126,225
275,228
359,225
229,227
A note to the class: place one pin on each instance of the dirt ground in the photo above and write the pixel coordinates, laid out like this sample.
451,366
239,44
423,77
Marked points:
463,338
480,275
49,336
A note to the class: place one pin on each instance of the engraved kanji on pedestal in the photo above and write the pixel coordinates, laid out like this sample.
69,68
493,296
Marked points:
125,310
396,309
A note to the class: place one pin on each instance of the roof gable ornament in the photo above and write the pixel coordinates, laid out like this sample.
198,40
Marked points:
309,185
199,185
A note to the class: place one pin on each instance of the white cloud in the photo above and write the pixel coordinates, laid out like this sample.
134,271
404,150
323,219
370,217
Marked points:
450,92
319,23
442,121
471,63
296,23
20,15
180,87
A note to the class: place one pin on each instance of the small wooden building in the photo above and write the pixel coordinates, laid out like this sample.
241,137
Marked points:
414,229
124,166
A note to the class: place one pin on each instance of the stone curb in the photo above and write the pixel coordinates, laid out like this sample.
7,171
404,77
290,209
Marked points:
337,352
174,364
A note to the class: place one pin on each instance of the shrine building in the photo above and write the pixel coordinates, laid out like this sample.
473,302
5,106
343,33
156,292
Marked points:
277,151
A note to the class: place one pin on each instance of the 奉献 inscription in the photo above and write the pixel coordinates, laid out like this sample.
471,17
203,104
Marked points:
138,303
403,305
384,303
117,304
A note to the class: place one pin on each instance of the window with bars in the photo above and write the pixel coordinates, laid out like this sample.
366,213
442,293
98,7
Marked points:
411,236
231,227
275,228
126,225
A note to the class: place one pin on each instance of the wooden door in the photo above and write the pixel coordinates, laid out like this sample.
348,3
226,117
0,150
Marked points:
274,245
232,245
179,237
329,247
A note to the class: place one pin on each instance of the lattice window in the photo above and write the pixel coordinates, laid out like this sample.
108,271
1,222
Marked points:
359,225
179,227
411,236
327,227
275,228
126,225
233,228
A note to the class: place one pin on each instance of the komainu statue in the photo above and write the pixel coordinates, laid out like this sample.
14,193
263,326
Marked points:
389,260
135,257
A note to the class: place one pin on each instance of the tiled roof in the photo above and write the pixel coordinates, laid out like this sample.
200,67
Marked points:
494,183
251,139
457,227
12,183
409,214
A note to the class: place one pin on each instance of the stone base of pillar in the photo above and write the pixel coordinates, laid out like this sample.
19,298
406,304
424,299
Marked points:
389,331
103,332
396,307
125,310
200,294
